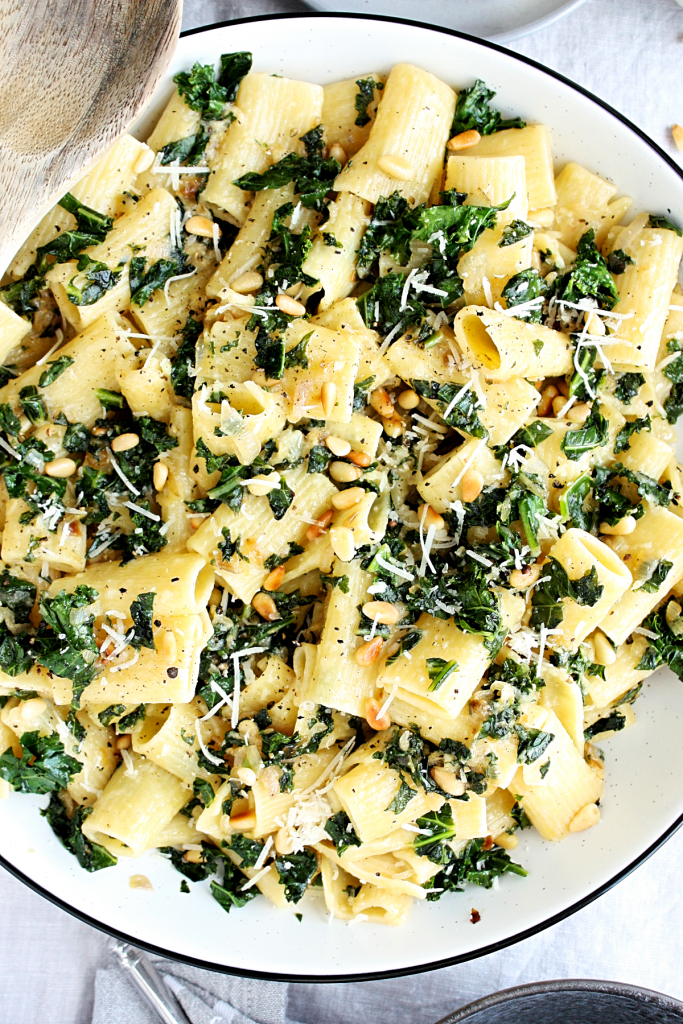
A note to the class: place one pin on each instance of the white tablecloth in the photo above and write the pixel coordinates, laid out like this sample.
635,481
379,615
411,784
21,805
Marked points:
629,52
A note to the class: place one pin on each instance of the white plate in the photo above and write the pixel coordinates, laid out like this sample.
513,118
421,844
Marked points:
643,800
502,20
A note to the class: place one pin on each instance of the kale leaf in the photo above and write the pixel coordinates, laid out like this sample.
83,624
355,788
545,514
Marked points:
547,598
526,288
593,434
54,369
631,427
142,614
69,830
65,643
364,97
183,363
473,111
296,871
341,832
43,767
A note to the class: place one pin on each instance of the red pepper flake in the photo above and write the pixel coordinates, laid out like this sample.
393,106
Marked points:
475,916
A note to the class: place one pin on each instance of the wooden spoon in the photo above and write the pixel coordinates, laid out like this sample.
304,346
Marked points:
74,74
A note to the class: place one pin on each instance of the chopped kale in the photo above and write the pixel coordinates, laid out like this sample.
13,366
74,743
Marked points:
458,407
615,721
76,438
54,369
297,356
588,277
659,573
203,93
440,829
527,288
8,421
231,893
91,856
203,792
33,405
273,561
341,832
407,643
474,864
364,97
189,150
548,596
573,503
656,221
618,261
98,278
232,69
473,111
280,498
65,643
296,871
319,458
142,615
128,722
143,283
248,850
532,744
88,221
631,427
402,799
43,767
439,670
515,231
667,648
586,380
183,363
593,434
313,176
361,391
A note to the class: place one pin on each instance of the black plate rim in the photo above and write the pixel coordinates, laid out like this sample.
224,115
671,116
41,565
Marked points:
511,940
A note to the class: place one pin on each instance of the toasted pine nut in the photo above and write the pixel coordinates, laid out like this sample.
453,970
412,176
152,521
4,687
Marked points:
250,281
604,653
579,413
558,404
140,882
160,475
371,709
595,324
264,483
123,742
124,442
290,306
395,167
677,133
382,611
193,857
317,528
409,399
369,652
338,446
464,140
563,387
248,730
201,226
621,529
346,499
544,217
343,544
265,606
283,841
393,427
338,153
381,403
430,517
328,397
270,781
60,467
247,776
472,485
32,709
520,579
547,395
361,459
673,611
144,161
274,578
507,841
243,822
586,818
448,781
344,473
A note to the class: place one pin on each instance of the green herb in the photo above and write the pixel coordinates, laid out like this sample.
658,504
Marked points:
280,498
523,289
91,856
8,421
440,828
360,393
615,721
313,176
588,277
593,434
656,221
88,220
143,283
142,614
66,643
99,279
547,598
231,893
318,458
76,438
203,93
628,386
515,232
43,767
586,380
296,871
232,69
655,580
107,716
402,799
297,355
337,581
273,561
110,399
476,865
532,744
573,501
33,405
618,261
55,368
461,408
439,671
183,363
128,722
248,850
666,649
341,832
364,97
407,643
631,427
189,150
473,111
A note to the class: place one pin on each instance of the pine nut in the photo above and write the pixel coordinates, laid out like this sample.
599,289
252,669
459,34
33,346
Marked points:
248,730
317,528
123,742
343,544
381,403
243,822
586,818
270,780
344,473
369,652
124,442
338,446
160,475
507,841
621,529
563,388
604,653
60,467
192,857
472,485
290,306
382,611
283,841
464,140
338,153
430,517
264,483
201,226
579,413
144,161
328,397
265,606
544,217
673,611
594,324
371,716
520,579
448,781
395,167
346,499
559,404
547,395
677,133
246,776
274,578
393,427
409,399
250,281
361,459
32,709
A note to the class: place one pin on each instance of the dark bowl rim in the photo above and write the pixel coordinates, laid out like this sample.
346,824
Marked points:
658,1000
526,933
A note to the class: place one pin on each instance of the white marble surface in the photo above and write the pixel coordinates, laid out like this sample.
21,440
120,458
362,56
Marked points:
629,53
